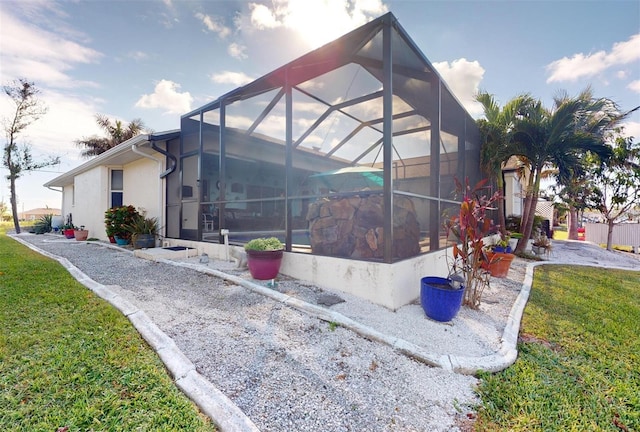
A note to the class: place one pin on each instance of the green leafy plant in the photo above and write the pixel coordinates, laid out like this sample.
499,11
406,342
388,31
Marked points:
142,225
468,229
264,244
69,223
117,218
44,224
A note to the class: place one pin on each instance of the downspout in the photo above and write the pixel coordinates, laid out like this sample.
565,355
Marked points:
134,149
169,156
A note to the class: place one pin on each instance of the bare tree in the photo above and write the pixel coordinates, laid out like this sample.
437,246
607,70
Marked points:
17,158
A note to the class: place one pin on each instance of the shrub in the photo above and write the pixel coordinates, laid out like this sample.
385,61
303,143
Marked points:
264,244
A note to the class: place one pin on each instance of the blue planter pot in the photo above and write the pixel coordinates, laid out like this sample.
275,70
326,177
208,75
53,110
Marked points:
502,249
438,301
121,241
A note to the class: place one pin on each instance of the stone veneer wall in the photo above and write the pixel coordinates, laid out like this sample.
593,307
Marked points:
353,227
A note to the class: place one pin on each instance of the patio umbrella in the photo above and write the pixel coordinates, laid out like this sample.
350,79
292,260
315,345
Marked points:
350,179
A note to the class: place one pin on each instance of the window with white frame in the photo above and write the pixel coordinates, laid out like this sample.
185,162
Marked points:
116,187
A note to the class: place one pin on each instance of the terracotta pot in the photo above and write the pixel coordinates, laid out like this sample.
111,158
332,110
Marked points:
264,265
498,263
81,235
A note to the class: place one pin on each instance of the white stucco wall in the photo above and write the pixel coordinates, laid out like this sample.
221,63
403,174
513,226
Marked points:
389,285
67,201
142,187
513,194
90,198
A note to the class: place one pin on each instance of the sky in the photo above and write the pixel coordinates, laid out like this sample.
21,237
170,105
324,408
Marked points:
158,59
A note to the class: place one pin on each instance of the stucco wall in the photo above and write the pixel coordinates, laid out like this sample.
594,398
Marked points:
90,200
142,187
513,194
88,197
389,285
67,201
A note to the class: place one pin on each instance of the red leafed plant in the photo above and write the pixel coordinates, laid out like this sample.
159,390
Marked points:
467,230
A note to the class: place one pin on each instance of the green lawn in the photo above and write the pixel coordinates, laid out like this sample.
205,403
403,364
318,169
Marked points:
578,367
67,358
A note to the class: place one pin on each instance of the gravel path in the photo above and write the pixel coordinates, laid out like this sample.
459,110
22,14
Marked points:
289,371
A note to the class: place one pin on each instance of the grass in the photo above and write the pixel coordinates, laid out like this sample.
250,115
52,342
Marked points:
69,359
578,367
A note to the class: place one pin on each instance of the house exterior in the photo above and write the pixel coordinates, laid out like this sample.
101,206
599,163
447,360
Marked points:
348,154
37,213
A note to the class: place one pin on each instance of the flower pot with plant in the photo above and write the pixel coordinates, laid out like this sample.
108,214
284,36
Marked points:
264,256
143,231
499,258
116,219
81,234
467,278
68,229
541,243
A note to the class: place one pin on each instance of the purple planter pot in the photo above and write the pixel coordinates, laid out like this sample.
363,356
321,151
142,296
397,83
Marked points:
264,265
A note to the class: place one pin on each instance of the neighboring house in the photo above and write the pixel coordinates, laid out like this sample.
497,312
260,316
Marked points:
35,214
348,154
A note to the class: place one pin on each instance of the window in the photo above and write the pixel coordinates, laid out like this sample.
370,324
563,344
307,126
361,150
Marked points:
116,184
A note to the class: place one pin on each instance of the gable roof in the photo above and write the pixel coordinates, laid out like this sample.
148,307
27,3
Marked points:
119,155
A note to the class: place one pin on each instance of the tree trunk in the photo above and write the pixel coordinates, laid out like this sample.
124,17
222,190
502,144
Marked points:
573,223
528,216
611,223
14,204
502,222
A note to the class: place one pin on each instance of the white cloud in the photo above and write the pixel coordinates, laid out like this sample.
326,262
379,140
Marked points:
214,24
634,86
228,77
237,51
138,55
166,95
463,78
581,65
318,21
262,17
43,56
632,129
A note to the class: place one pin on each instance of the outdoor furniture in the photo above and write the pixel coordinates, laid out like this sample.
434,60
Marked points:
207,222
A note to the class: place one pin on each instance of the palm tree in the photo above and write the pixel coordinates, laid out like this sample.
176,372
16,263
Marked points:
561,137
495,130
116,134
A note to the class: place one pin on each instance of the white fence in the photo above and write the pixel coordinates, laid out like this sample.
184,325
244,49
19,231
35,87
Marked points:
627,234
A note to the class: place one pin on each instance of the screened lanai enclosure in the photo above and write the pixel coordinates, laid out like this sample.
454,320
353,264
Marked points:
349,151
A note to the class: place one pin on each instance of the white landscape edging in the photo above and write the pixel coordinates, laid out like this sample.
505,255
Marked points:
213,403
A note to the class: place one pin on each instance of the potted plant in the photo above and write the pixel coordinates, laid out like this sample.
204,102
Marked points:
499,258
68,229
116,220
143,231
81,234
264,256
109,223
441,298
541,243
